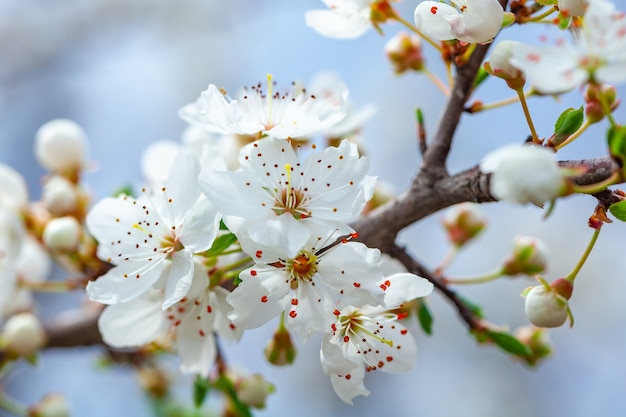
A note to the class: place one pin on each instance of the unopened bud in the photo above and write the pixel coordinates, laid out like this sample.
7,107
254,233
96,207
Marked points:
23,335
463,222
253,391
499,65
537,339
544,307
154,381
594,96
61,146
530,257
62,234
280,350
59,196
52,405
404,50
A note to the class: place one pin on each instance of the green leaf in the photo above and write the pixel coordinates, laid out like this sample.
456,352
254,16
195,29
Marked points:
481,76
475,309
619,210
509,343
223,226
124,190
616,138
425,318
567,124
200,390
221,244
226,386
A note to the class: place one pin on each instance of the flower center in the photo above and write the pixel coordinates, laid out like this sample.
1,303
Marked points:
302,267
290,200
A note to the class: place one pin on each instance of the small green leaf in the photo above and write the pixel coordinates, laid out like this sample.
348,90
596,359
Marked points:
221,244
619,210
509,343
475,309
616,138
567,124
200,390
481,76
124,190
425,318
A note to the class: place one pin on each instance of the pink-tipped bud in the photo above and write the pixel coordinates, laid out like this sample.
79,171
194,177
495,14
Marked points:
536,338
404,50
463,222
530,257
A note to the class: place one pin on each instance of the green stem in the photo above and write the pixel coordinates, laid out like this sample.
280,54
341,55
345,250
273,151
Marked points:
574,135
572,275
437,81
412,28
529,120
607,110
615,178
12,406
447,260
539,18
492,276
506,102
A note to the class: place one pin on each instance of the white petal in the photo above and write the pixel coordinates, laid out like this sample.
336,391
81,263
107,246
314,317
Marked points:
403,287
178,277
311,313
350,385
222,324
430,19
134,323
200,226
113,287
197,352
261,296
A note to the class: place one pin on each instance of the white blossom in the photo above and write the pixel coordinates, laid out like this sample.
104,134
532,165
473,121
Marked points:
599,54
523,174
191,321
137,235
329,186
296,273
371,338
470,21
259,110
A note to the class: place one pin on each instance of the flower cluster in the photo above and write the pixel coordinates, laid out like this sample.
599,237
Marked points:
276,228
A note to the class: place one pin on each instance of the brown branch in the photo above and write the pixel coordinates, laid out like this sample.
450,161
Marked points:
413,266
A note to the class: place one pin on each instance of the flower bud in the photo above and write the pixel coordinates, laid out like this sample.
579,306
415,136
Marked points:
59,196
405,52
61,146
536,338
52,405
593,97
62,234
253,391
545,308
154,381
463,222
280,350
500,66
23,335
530,257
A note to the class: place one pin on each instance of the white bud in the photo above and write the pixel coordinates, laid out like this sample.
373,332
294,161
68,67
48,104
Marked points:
572,7
544,308
62,234
23,335
61,145
499,60
524,174
52,405
463,222
254,390
13,189
59,196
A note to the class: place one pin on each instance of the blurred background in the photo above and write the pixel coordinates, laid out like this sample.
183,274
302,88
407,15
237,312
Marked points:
122,69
